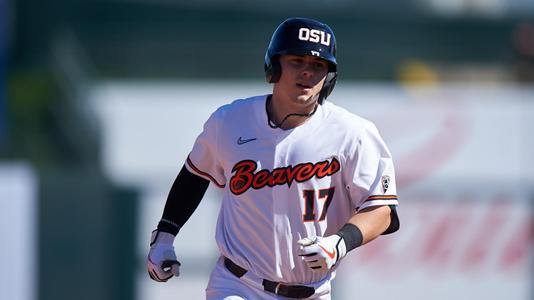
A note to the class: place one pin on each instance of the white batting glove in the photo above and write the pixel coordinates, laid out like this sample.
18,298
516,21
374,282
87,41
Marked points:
161,261
322,253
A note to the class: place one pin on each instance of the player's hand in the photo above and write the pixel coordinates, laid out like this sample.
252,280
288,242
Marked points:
161,261
322,253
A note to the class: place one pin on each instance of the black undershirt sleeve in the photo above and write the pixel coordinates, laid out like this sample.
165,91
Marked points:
394,225
184,197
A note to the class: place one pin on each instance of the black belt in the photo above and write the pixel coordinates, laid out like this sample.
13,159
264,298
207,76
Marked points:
290,291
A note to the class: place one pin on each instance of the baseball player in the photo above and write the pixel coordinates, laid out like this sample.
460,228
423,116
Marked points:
304,181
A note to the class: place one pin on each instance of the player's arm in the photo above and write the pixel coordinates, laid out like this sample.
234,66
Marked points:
363,227
372,222
184,197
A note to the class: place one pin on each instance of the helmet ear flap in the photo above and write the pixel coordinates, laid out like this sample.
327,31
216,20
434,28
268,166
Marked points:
328,86
273,71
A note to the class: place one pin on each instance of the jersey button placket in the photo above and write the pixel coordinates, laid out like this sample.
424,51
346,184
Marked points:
281,214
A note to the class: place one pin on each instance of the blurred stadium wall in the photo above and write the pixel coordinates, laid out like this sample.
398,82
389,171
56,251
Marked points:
104,99
462,158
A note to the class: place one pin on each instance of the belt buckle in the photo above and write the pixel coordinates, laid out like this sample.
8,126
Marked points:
277,288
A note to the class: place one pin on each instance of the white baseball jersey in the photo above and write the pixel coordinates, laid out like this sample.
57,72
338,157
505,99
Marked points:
283,185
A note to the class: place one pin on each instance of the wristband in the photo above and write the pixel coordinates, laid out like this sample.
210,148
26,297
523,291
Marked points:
352,236
168,226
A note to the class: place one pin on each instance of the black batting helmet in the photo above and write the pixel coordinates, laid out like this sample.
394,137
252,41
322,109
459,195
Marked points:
302,36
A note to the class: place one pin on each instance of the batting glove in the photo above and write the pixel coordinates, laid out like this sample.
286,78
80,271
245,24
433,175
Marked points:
322,253
161,260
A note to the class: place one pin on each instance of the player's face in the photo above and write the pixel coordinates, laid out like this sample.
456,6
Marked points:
302,77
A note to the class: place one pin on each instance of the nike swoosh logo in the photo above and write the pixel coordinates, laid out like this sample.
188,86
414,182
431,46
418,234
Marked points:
241,141
331,254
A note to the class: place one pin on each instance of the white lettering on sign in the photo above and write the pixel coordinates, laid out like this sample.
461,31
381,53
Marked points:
314,36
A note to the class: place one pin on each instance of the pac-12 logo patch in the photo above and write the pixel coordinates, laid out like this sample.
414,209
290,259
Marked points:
385,183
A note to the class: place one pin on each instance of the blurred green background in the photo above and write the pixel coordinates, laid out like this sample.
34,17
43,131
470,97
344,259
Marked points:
50,51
